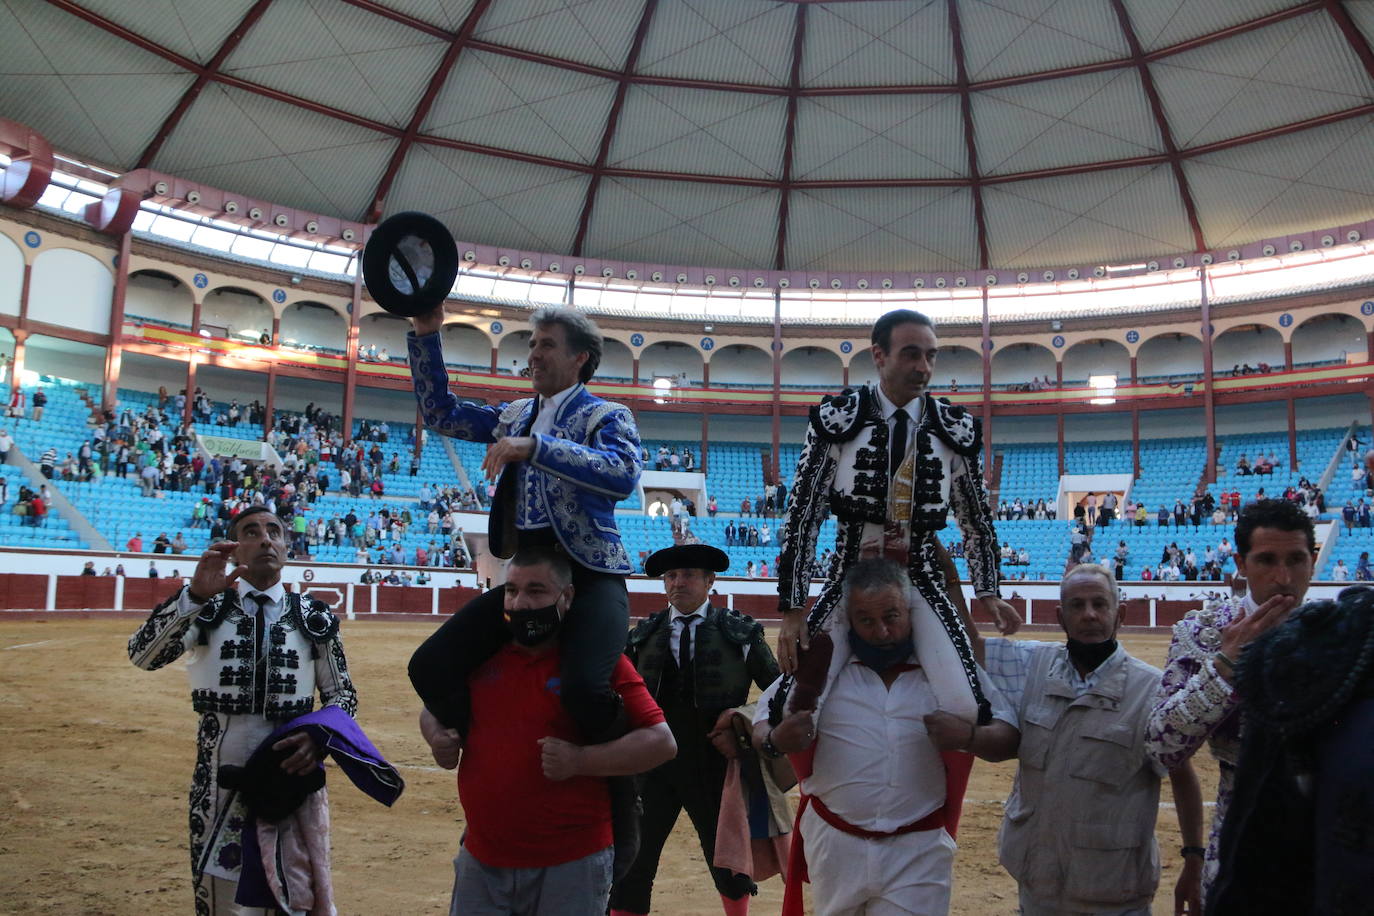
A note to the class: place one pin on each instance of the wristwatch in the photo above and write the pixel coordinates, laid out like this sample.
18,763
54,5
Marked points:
769,748
1198,851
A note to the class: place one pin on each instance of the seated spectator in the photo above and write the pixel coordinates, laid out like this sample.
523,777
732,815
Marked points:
1023,557
1341,572
1243,466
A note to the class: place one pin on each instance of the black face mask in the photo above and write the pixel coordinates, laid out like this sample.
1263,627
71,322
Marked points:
1089,655
879,658
532,626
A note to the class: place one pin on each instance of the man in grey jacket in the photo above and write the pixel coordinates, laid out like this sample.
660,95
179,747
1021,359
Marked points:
1078,835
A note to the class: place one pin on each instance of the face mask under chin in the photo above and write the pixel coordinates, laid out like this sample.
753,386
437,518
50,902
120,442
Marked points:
1090,655
879,658
531,626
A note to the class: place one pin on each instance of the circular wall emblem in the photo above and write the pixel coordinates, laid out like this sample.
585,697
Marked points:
1285,320
636,340
1367,308
33,239
279,296
497,327
115,260
987,345
201,281
707,343
846,347
1058,340
777,346
1132,336
308,575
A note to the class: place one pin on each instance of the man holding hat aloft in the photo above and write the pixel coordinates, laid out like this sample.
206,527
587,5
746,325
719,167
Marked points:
699,662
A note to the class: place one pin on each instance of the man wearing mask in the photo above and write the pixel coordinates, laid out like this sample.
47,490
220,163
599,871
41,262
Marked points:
1196,703
1078,835
874,752
538,815
563,458
891,462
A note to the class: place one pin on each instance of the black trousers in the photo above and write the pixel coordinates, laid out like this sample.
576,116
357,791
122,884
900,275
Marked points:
592,640
692,781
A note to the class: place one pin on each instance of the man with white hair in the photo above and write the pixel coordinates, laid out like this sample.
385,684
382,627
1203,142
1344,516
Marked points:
874,752
1078,835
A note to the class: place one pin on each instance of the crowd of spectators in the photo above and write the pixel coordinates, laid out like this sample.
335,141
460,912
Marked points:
1019,509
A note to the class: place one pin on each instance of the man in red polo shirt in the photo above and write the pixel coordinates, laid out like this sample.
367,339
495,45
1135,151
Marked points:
538,812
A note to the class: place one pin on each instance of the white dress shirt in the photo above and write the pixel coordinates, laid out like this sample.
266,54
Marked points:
548,412
875,764
913,410
677,620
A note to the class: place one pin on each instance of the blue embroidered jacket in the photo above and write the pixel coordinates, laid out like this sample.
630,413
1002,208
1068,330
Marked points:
574,477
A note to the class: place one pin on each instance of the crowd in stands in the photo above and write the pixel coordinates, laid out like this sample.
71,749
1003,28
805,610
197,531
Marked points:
1019,509
669,459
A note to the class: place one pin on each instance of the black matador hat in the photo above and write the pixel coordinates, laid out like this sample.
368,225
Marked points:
687,556
410,263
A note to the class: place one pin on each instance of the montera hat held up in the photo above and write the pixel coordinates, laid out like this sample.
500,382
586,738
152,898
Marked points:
410,263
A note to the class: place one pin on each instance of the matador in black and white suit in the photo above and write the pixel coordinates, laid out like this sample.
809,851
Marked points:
844,470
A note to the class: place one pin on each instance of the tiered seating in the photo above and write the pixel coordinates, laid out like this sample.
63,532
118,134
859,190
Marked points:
64,425
1097,458
1147,544
54,534
1315,450
1047,542
1030,471
1349,546
735,471
1169,470
643,535
118,510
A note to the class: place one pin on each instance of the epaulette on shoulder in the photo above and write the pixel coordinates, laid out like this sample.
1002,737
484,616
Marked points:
739,628
839,417
957,427
646,628
318,622
512,410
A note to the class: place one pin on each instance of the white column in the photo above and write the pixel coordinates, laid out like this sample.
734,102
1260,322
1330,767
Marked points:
434,599
348,600
119,593
52,592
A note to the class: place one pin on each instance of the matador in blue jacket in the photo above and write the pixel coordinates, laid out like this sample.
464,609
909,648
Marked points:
564,458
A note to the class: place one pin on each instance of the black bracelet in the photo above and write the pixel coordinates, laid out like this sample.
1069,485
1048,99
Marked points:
1198,851
194,598
769,748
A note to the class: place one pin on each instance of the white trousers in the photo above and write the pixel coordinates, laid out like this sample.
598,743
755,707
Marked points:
853,876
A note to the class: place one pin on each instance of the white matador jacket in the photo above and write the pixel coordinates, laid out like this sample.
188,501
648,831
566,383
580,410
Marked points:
229,685
843,470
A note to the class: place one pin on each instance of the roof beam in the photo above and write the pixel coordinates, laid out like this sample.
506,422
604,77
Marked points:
207,73
975,178
598,169
680,82
1358,42
790,136
1166,133
75,9
436,83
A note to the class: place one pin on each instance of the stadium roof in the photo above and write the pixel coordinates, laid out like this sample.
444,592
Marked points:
867,135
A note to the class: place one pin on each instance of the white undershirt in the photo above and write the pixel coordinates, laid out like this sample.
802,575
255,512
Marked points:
548,412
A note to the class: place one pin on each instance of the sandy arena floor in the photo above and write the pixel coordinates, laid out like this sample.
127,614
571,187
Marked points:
97,759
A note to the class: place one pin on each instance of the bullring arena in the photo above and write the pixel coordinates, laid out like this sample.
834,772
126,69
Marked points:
1144,230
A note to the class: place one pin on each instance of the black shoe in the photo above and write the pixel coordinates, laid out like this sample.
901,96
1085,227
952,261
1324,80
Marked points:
626,810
